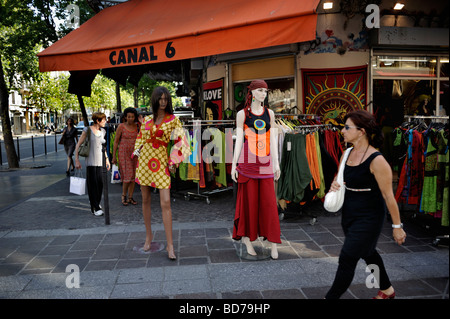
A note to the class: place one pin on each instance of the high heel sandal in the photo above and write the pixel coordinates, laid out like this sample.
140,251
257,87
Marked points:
132,201
124,200
382,295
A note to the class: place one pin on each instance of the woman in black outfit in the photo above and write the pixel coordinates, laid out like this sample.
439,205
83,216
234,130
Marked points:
70,141
368,182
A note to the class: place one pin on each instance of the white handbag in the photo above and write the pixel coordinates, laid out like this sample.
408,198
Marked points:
334,200
77,183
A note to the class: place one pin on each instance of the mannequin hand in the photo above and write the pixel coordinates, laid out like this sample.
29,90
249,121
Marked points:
234,173
136,153
172,168
276,172
399,235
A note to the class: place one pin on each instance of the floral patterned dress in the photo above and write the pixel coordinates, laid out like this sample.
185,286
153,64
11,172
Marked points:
127,164
154,158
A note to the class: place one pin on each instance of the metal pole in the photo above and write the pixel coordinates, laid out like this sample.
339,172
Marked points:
45,143
105,186
32,146
1,160
56,144
18,149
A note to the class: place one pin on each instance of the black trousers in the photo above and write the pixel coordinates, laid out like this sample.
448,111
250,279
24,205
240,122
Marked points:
94,181
361,237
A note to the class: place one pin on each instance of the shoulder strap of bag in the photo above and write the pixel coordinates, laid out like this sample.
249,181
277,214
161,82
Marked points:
342,165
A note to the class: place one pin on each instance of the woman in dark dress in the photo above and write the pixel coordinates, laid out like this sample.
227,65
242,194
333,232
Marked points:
368,183
70,141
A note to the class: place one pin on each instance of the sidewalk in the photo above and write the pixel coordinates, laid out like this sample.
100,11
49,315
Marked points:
43,229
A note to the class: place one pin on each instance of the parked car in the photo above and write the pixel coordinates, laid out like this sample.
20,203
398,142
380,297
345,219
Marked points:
80,126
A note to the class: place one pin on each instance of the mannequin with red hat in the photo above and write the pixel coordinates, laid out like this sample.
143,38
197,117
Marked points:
255,166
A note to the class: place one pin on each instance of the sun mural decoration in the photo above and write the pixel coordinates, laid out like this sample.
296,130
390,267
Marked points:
331,94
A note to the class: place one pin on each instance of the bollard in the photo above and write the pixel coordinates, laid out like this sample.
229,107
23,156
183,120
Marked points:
45,143
18,149
32,146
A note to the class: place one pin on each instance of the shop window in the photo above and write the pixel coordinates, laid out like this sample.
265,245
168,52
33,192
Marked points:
404,66
281,97
395,98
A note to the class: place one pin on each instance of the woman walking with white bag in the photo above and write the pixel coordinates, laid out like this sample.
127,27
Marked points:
368,184
94,160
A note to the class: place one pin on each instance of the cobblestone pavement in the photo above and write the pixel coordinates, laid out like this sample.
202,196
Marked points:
44,229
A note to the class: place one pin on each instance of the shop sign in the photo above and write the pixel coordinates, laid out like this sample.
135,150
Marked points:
140,55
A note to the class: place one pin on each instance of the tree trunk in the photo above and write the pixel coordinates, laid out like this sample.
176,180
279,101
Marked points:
83,110
11,154
119,102
136,97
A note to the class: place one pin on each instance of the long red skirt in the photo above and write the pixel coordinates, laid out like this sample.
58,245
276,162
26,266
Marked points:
256,210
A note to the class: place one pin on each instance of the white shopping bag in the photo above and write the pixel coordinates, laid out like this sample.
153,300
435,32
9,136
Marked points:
115,175
78,183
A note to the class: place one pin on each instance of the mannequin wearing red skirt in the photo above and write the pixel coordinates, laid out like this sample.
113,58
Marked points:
255,166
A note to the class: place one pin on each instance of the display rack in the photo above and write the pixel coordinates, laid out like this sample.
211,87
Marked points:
441,239
206,194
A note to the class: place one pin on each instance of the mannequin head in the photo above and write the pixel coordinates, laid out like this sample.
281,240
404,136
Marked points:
253,88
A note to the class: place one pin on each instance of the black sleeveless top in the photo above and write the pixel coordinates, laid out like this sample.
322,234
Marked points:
362,195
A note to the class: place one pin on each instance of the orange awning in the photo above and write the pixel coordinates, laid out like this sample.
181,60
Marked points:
151,31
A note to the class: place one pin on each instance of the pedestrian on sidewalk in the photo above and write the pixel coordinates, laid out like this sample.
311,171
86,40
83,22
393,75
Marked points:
124,141
69,138
94,161
368,183
155,165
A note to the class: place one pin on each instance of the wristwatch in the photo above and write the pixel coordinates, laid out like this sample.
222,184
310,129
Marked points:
397,226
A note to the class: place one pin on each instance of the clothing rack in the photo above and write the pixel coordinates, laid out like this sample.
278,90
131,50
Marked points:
440,238
313,126
205,195
304,116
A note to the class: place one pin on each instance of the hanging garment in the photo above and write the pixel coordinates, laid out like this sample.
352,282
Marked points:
329,166
443,176
410,183
429,192
321,193
295,174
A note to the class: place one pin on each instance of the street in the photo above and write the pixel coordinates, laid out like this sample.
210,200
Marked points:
27,144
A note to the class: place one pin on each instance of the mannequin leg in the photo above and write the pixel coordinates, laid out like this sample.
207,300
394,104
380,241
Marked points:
248,244
274,251
147,214
167,221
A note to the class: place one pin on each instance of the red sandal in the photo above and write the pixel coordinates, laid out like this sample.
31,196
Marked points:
382,295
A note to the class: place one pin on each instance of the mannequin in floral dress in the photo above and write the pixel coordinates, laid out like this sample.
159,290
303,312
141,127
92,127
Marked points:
155,165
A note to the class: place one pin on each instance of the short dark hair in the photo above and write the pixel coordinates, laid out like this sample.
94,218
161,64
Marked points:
131,110
156,95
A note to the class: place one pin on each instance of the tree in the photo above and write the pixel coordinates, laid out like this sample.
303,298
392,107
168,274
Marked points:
20,32
26,27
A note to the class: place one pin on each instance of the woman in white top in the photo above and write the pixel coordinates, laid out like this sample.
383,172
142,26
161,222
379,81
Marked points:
94,160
